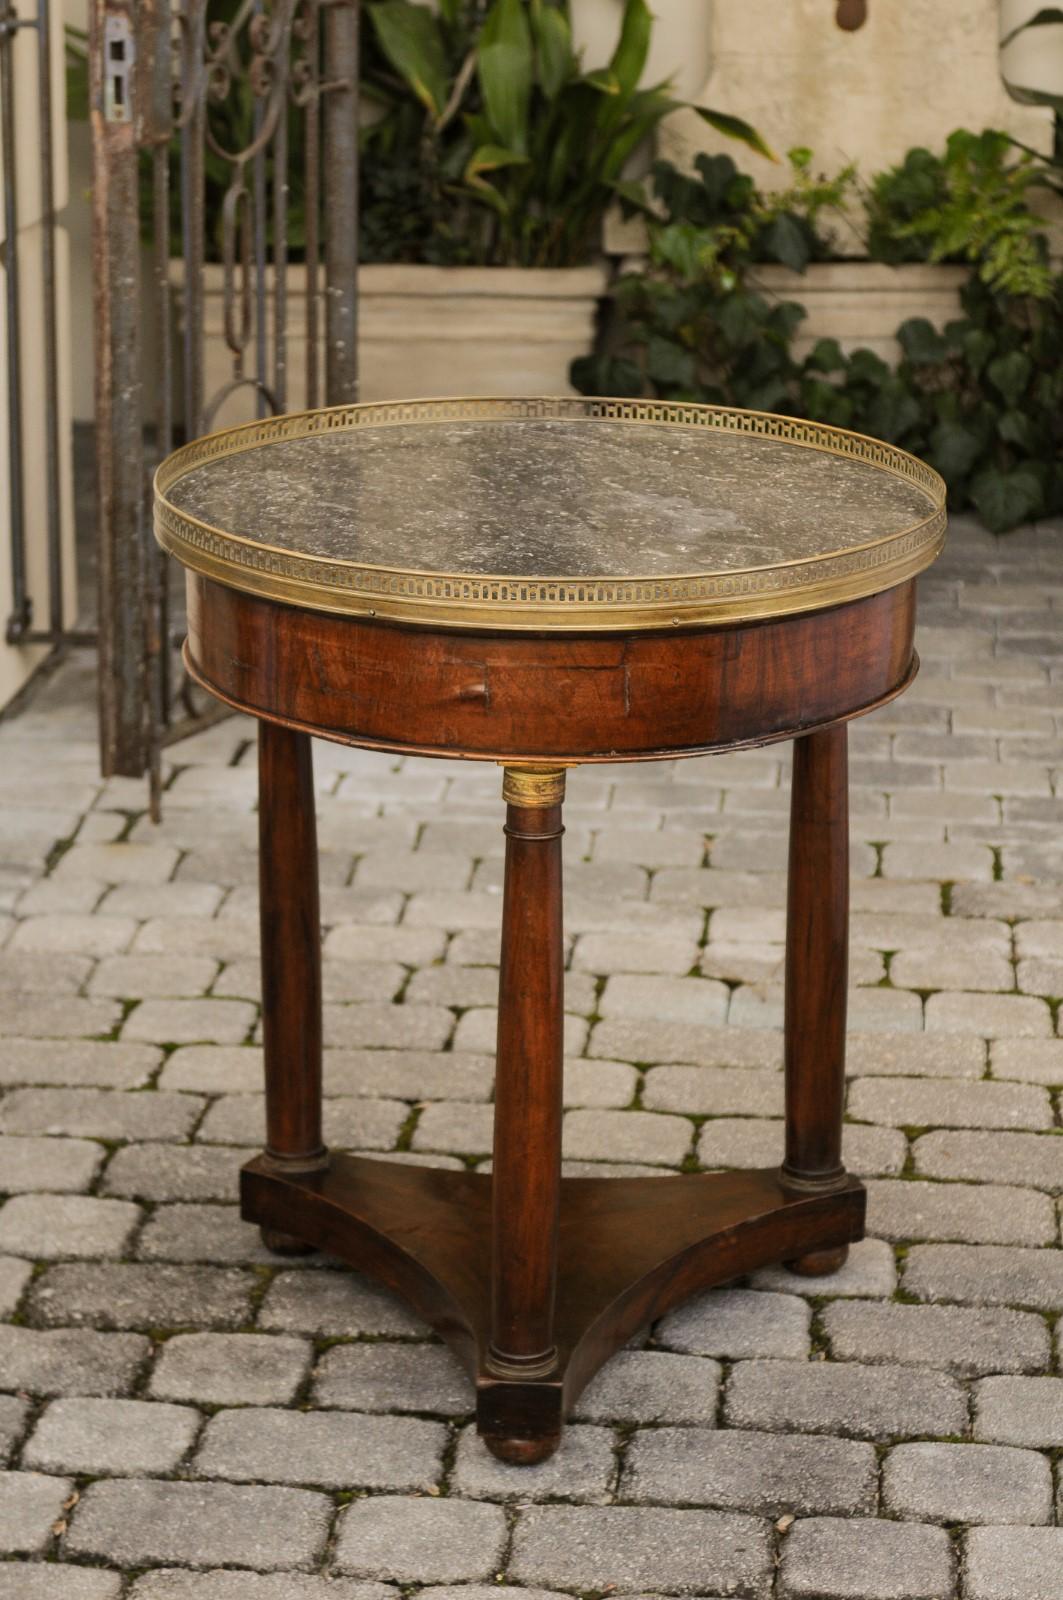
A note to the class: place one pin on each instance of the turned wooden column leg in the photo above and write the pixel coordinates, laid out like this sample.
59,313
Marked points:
817,973
291,959
526,1180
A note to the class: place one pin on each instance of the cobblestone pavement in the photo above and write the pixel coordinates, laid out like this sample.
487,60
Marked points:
186,1418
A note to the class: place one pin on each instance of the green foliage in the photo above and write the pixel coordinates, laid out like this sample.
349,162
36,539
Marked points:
521,150
981,400
971,204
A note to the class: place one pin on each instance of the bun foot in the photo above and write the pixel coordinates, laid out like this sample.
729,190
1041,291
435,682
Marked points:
285,1244
819,1263
522,1452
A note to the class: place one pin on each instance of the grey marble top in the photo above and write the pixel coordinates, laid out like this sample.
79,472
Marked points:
549,498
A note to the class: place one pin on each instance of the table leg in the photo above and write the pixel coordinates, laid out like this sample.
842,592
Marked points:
526,1172
817,962
291,960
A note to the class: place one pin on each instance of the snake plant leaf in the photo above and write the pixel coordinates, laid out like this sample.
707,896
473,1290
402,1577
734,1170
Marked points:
1048,16
603,79
633,197
490,158
553,47
410,38
506,69
629,58
735,128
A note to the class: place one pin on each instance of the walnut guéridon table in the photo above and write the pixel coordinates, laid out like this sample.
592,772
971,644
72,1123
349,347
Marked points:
543,583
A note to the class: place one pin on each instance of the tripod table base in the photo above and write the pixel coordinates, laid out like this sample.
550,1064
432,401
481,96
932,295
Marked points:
629,1250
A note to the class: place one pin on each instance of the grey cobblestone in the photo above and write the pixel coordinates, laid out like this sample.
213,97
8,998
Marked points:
26,1580
692,1000
644,1549
213,1069
100,1113
973,1483
81,1063
165,977
54,1227
957,1339
390,1027
168,1583
111,1294
393,1376
652,1386
976,1213
583,1470
51,1017
825,1558
332,1449
335,1304
227,1369
1031,1158
1009,1015
1022,1411
29,1504
624,1136
190,1021
118,1437
870,1269
985,1275
1013,1563
911,1102
57,1165
207,1233
172,1172
868,1402
141,1522
769,1473
1030,1060
714,1091
421,1541
738,1323
69,1361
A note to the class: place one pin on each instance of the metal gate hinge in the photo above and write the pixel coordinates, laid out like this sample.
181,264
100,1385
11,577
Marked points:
118,55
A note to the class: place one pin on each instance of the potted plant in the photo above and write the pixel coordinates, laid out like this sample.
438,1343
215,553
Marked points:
486,174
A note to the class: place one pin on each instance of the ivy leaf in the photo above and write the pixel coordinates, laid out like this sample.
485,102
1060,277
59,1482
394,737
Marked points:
825,356
1004,499
954,450
783,239
669,364
921,342
1010,374
866,367
1014,428
608,375
892,412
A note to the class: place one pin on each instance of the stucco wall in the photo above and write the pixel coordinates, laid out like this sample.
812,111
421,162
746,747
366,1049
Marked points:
17,662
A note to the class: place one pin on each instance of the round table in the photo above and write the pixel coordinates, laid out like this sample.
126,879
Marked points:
542,583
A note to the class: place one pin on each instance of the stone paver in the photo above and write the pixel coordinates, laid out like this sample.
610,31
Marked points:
643,1548
30,1503
118,1437
764,1472
134,1301
418,1541
141,1522
1013,1563
825,1558
969,1483
333,1449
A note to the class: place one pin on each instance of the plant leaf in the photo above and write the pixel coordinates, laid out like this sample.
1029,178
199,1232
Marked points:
629,58
1046,17
735,128
1009,375
490,158
410,38
553,45
1004,499
954,450
506,69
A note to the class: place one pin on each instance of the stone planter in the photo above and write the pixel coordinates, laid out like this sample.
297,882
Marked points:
863,303
432,331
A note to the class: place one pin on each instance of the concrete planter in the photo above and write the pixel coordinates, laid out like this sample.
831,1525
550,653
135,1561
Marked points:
433,331
863,303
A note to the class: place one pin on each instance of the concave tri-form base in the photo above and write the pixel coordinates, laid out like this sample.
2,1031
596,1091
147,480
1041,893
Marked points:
629,1250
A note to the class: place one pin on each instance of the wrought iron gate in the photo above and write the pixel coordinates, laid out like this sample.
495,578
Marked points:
225,142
